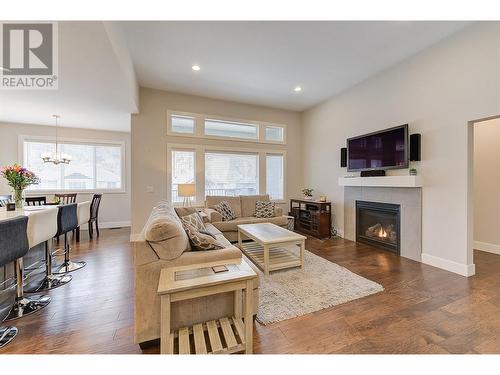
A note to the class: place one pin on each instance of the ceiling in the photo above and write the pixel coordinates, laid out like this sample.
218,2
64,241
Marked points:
261,62
249,62
92,93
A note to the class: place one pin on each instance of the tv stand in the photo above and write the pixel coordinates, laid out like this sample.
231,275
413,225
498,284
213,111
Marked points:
377,173
312,217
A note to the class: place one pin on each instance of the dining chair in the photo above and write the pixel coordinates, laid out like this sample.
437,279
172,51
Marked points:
4,199
94,214
36,201
66,198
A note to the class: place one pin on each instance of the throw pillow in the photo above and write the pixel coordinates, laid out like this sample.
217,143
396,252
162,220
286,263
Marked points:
225,210
194,220
201,241
264,209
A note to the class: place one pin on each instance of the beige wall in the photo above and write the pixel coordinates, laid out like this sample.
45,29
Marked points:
149,143
487,185
437,92
115,207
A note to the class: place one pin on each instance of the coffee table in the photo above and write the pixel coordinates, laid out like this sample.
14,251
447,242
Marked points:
220,336
268,248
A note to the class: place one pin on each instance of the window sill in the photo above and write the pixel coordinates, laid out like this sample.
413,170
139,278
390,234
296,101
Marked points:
68,191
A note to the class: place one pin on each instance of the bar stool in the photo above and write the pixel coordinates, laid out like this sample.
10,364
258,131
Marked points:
15,243
67,221
45,222
12,241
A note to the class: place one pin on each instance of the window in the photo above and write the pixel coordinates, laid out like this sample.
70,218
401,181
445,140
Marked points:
231,174
182,124
274,176
92,167
229,129
274,133
183,170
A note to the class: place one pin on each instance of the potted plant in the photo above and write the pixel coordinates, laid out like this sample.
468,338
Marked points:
19,178
308,193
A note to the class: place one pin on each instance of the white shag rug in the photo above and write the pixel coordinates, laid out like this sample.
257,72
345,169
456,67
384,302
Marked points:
319,284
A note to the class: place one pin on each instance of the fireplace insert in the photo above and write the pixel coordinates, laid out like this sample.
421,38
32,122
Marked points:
378,224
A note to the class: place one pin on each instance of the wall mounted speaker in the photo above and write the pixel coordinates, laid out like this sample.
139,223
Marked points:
415,147
343,157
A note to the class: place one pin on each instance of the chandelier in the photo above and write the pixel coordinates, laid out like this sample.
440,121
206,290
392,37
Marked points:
56,158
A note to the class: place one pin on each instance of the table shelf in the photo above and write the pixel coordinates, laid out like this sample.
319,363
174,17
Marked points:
279,257
220,336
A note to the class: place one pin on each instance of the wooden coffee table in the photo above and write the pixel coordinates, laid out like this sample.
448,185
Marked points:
220,336
268,250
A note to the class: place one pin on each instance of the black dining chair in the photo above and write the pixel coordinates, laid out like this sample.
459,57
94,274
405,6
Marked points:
36,201
94,214
67,221
14,245
66,198
4,199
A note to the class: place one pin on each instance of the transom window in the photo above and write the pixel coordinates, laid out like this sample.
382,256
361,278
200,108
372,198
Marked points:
93,166
204,126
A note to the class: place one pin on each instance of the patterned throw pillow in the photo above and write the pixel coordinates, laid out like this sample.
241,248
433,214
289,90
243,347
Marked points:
201,241
225,210
194,220
264,209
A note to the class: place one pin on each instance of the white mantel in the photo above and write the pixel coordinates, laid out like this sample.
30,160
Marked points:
385,181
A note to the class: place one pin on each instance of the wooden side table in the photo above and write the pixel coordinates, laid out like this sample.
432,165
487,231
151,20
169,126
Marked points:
225,335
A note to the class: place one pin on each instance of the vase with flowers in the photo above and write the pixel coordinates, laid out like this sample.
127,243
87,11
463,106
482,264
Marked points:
19,178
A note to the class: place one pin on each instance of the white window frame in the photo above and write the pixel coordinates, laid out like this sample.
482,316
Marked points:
199,127
200,167
79,141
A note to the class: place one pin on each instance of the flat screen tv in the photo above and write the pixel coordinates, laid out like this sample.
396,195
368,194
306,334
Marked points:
385,149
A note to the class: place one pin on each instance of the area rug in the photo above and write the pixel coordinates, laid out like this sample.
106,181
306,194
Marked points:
319,284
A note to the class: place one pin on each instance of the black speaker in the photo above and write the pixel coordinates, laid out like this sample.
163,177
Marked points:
343,157
415,147
375,173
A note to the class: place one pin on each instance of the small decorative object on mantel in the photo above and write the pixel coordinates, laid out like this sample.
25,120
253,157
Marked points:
19,178
322,198
413,172
308,193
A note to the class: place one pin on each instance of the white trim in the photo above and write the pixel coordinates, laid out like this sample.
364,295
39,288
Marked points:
199,128
466,270
109,225
488,247
200,167
81,141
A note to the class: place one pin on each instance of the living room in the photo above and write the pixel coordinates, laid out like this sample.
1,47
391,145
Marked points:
282,186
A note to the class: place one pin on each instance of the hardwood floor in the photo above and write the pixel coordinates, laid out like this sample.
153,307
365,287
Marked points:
422,310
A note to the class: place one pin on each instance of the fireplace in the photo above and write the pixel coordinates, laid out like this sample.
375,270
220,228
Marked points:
378,224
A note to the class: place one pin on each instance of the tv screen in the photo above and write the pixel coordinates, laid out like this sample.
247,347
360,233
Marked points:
386,149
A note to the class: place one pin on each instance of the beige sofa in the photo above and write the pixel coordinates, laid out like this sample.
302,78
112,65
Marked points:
244,208
164,243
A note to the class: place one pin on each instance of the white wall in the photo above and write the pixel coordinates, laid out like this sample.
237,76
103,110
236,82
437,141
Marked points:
437,92
149,143
487,186
115,207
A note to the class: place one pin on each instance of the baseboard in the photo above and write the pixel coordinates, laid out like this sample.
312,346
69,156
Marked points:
340,233
108,225
488,247
448,265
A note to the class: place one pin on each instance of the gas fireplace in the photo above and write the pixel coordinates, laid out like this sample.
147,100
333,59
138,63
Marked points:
378,224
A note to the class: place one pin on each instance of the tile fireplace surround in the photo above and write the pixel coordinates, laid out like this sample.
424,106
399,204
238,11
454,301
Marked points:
410,201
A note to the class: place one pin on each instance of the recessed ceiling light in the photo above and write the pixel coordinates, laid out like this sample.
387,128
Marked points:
195,68
297,89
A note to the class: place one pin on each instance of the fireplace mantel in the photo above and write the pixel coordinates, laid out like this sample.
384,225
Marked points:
386,181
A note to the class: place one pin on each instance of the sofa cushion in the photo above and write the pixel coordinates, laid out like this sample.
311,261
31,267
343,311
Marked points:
234,202
232,226
248,203
224,208
194,220
202,241
164,232
264,209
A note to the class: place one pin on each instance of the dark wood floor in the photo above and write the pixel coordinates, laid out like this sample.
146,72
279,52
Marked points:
422,310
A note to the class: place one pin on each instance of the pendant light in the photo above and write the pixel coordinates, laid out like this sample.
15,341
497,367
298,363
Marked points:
56,158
